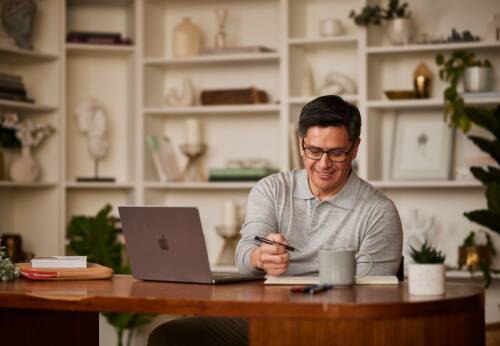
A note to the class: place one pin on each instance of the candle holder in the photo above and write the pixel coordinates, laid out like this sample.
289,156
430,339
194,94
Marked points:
230,235
194,167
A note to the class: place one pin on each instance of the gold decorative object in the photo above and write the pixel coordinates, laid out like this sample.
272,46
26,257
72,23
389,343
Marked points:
422,78
231,236
400,94
194,168
471,256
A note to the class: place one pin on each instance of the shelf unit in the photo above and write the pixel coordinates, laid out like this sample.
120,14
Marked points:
131,83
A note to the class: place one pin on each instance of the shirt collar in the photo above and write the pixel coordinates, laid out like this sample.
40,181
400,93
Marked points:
345,198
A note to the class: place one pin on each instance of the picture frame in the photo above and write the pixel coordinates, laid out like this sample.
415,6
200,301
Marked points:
422,147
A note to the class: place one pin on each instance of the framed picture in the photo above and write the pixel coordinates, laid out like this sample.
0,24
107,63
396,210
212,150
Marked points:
422,147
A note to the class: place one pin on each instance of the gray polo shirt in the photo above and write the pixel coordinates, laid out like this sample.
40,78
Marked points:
357,217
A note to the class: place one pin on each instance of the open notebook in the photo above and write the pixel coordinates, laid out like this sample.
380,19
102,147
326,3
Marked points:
314,280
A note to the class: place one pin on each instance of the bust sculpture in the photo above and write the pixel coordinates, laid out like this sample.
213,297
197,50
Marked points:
92,121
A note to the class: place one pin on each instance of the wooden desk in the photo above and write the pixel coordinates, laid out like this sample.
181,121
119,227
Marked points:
58,311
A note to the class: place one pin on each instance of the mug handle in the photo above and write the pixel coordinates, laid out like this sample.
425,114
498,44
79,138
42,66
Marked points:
359,276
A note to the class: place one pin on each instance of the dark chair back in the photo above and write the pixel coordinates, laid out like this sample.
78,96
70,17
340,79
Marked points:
401,270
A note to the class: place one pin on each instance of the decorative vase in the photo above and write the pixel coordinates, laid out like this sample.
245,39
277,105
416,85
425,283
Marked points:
477,79
26,168
399,31
186,39
426,279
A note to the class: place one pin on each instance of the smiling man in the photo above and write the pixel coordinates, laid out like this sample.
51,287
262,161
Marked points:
324,205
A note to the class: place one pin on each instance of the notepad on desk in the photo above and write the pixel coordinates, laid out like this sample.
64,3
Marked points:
314,280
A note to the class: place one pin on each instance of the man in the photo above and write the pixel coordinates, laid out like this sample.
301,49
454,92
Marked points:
324,205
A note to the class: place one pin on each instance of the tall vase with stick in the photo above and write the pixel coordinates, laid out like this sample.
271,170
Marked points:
220,36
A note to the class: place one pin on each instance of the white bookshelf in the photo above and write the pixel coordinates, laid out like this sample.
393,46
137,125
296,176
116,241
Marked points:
132,82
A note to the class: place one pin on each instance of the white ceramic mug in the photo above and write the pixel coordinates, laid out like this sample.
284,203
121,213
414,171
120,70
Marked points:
338,266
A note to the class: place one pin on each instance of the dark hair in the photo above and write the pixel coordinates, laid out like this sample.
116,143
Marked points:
330,110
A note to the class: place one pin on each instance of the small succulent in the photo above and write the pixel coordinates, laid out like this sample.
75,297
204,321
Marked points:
427,254
8,271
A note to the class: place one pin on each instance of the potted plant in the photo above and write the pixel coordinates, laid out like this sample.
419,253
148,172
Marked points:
477,255
427,275
8,270
96,238
396,15
452,70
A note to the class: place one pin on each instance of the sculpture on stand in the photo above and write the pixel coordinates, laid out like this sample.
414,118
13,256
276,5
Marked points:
229,232
91,120
194,149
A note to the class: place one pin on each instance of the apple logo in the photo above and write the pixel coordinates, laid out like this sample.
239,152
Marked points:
163,243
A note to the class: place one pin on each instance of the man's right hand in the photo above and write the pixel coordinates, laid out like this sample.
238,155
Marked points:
273,259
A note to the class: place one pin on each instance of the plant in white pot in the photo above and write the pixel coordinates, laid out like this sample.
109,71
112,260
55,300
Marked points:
396,16
427,275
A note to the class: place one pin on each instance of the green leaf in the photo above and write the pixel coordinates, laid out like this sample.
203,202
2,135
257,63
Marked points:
488,146
493,197
486,176
485,218
484,118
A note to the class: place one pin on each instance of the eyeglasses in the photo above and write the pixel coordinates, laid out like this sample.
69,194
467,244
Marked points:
334,155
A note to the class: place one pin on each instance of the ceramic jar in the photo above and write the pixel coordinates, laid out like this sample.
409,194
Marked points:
26,168
426,279
478,79
186,39
399,31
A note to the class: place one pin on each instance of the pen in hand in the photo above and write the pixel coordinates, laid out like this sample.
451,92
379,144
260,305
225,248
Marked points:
272,242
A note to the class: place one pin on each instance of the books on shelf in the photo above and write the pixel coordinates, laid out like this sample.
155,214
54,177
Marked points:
239,174
12,88
97,37
164,158
59,262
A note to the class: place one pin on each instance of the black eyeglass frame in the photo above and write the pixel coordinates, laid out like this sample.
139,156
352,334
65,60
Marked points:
346,152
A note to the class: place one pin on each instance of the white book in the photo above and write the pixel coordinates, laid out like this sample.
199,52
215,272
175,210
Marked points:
314,280
59,262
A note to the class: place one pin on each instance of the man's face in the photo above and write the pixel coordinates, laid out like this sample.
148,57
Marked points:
326,178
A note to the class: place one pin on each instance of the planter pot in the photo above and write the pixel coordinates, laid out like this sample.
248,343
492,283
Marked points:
478,79
399,31
26,168
426,279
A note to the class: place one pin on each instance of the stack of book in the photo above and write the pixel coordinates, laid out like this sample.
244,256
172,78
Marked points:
239,174
59,262
97,37
12,88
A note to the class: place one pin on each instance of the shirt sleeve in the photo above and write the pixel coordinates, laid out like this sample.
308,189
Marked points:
383,239
260,220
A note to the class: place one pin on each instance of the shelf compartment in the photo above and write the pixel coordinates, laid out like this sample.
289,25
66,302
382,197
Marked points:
432,47
26,107
200,185
207,59
25,53
431,184
99,48
223,109
300,100
98,186
307,41
426,103
34,185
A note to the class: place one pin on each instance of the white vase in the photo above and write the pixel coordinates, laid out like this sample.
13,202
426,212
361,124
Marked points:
26,168
426,279
186,39
478,79
399,31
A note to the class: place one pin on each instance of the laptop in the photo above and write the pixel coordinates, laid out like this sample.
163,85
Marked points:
167,244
